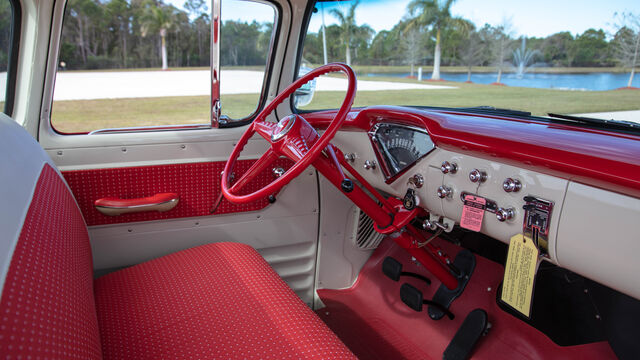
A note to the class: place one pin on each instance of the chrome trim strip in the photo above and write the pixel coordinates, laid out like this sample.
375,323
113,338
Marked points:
216,19
150,129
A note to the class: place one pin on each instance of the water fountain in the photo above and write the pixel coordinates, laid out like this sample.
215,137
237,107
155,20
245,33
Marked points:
522,59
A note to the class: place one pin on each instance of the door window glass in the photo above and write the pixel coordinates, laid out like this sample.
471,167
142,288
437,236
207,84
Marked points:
147,63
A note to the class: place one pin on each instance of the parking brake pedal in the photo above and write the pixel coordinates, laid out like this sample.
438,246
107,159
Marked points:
413,298
392,268
473,326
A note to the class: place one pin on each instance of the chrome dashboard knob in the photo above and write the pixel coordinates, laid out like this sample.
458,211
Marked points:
350,157
370,164
448,167
503,214
445,192
417,180
477,176
511,185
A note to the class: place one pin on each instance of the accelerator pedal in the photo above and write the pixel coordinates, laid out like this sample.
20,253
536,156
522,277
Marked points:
392,268
413,298
465,262
473,326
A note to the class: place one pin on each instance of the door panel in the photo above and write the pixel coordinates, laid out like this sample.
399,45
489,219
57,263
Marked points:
197,186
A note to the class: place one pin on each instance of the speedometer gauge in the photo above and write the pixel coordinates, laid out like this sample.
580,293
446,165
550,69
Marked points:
399,146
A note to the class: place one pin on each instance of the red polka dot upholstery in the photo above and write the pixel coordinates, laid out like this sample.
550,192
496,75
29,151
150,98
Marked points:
214,301
47,308
197,184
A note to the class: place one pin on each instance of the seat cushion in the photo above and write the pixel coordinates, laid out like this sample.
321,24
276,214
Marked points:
214,301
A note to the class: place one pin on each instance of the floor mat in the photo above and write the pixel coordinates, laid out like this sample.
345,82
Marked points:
372,320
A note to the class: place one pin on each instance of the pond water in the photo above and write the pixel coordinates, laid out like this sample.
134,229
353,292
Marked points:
591,81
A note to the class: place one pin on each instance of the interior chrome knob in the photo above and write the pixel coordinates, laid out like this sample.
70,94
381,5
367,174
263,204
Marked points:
445,192
417,180
369,164
350,157
503,214
477,176
277,172
511,185
448,167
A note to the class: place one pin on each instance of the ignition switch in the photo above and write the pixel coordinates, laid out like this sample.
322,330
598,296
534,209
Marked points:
410,200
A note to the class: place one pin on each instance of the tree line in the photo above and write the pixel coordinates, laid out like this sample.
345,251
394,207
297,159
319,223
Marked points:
103,34
430,35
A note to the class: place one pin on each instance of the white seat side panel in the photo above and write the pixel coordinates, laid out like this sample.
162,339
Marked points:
21,161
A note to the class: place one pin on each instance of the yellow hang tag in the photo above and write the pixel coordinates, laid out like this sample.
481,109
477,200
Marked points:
519,274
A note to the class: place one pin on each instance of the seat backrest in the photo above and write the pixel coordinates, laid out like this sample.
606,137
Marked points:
47,306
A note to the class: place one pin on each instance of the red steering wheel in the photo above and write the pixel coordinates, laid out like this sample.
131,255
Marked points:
292,137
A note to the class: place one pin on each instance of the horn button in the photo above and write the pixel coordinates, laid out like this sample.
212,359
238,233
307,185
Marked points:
283,127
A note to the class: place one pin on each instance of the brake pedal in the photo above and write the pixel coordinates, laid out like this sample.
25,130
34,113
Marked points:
392,268
472,328
413,298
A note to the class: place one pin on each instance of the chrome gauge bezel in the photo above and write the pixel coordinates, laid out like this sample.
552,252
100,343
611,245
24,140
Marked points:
383,155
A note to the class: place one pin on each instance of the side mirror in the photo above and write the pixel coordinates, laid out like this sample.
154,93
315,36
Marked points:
304,94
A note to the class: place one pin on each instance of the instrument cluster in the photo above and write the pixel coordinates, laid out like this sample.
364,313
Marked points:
398,147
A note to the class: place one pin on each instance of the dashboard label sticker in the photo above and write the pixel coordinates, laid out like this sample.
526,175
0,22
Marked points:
519,274
473,212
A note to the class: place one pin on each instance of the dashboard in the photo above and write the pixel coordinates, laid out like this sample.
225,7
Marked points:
587,229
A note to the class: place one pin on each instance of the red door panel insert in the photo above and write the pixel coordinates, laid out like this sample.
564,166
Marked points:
197,184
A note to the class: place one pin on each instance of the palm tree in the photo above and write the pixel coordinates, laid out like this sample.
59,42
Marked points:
158,18
432,13
347,25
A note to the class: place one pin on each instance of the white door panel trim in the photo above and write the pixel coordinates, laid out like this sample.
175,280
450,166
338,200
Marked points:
153,154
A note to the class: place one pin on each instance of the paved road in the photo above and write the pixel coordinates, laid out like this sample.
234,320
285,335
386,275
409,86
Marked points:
133,84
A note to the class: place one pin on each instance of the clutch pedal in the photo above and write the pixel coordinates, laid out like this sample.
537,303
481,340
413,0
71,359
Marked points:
392,268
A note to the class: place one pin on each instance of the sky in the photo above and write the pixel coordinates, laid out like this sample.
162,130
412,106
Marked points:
537,18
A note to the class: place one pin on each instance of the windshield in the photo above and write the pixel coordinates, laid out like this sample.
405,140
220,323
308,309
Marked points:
541,57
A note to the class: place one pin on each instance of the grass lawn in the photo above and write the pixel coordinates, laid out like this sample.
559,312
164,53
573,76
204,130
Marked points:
87,115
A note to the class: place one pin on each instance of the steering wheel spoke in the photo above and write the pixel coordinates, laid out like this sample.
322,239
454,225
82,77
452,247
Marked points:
264,128
256,168
295,149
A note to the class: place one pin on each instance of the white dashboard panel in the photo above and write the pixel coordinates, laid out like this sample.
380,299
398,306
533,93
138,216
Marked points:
591,230
533,184
598,237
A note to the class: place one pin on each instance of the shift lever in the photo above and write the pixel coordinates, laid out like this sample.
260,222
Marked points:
346,184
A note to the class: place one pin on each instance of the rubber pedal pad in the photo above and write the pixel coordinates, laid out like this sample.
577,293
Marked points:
472,328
